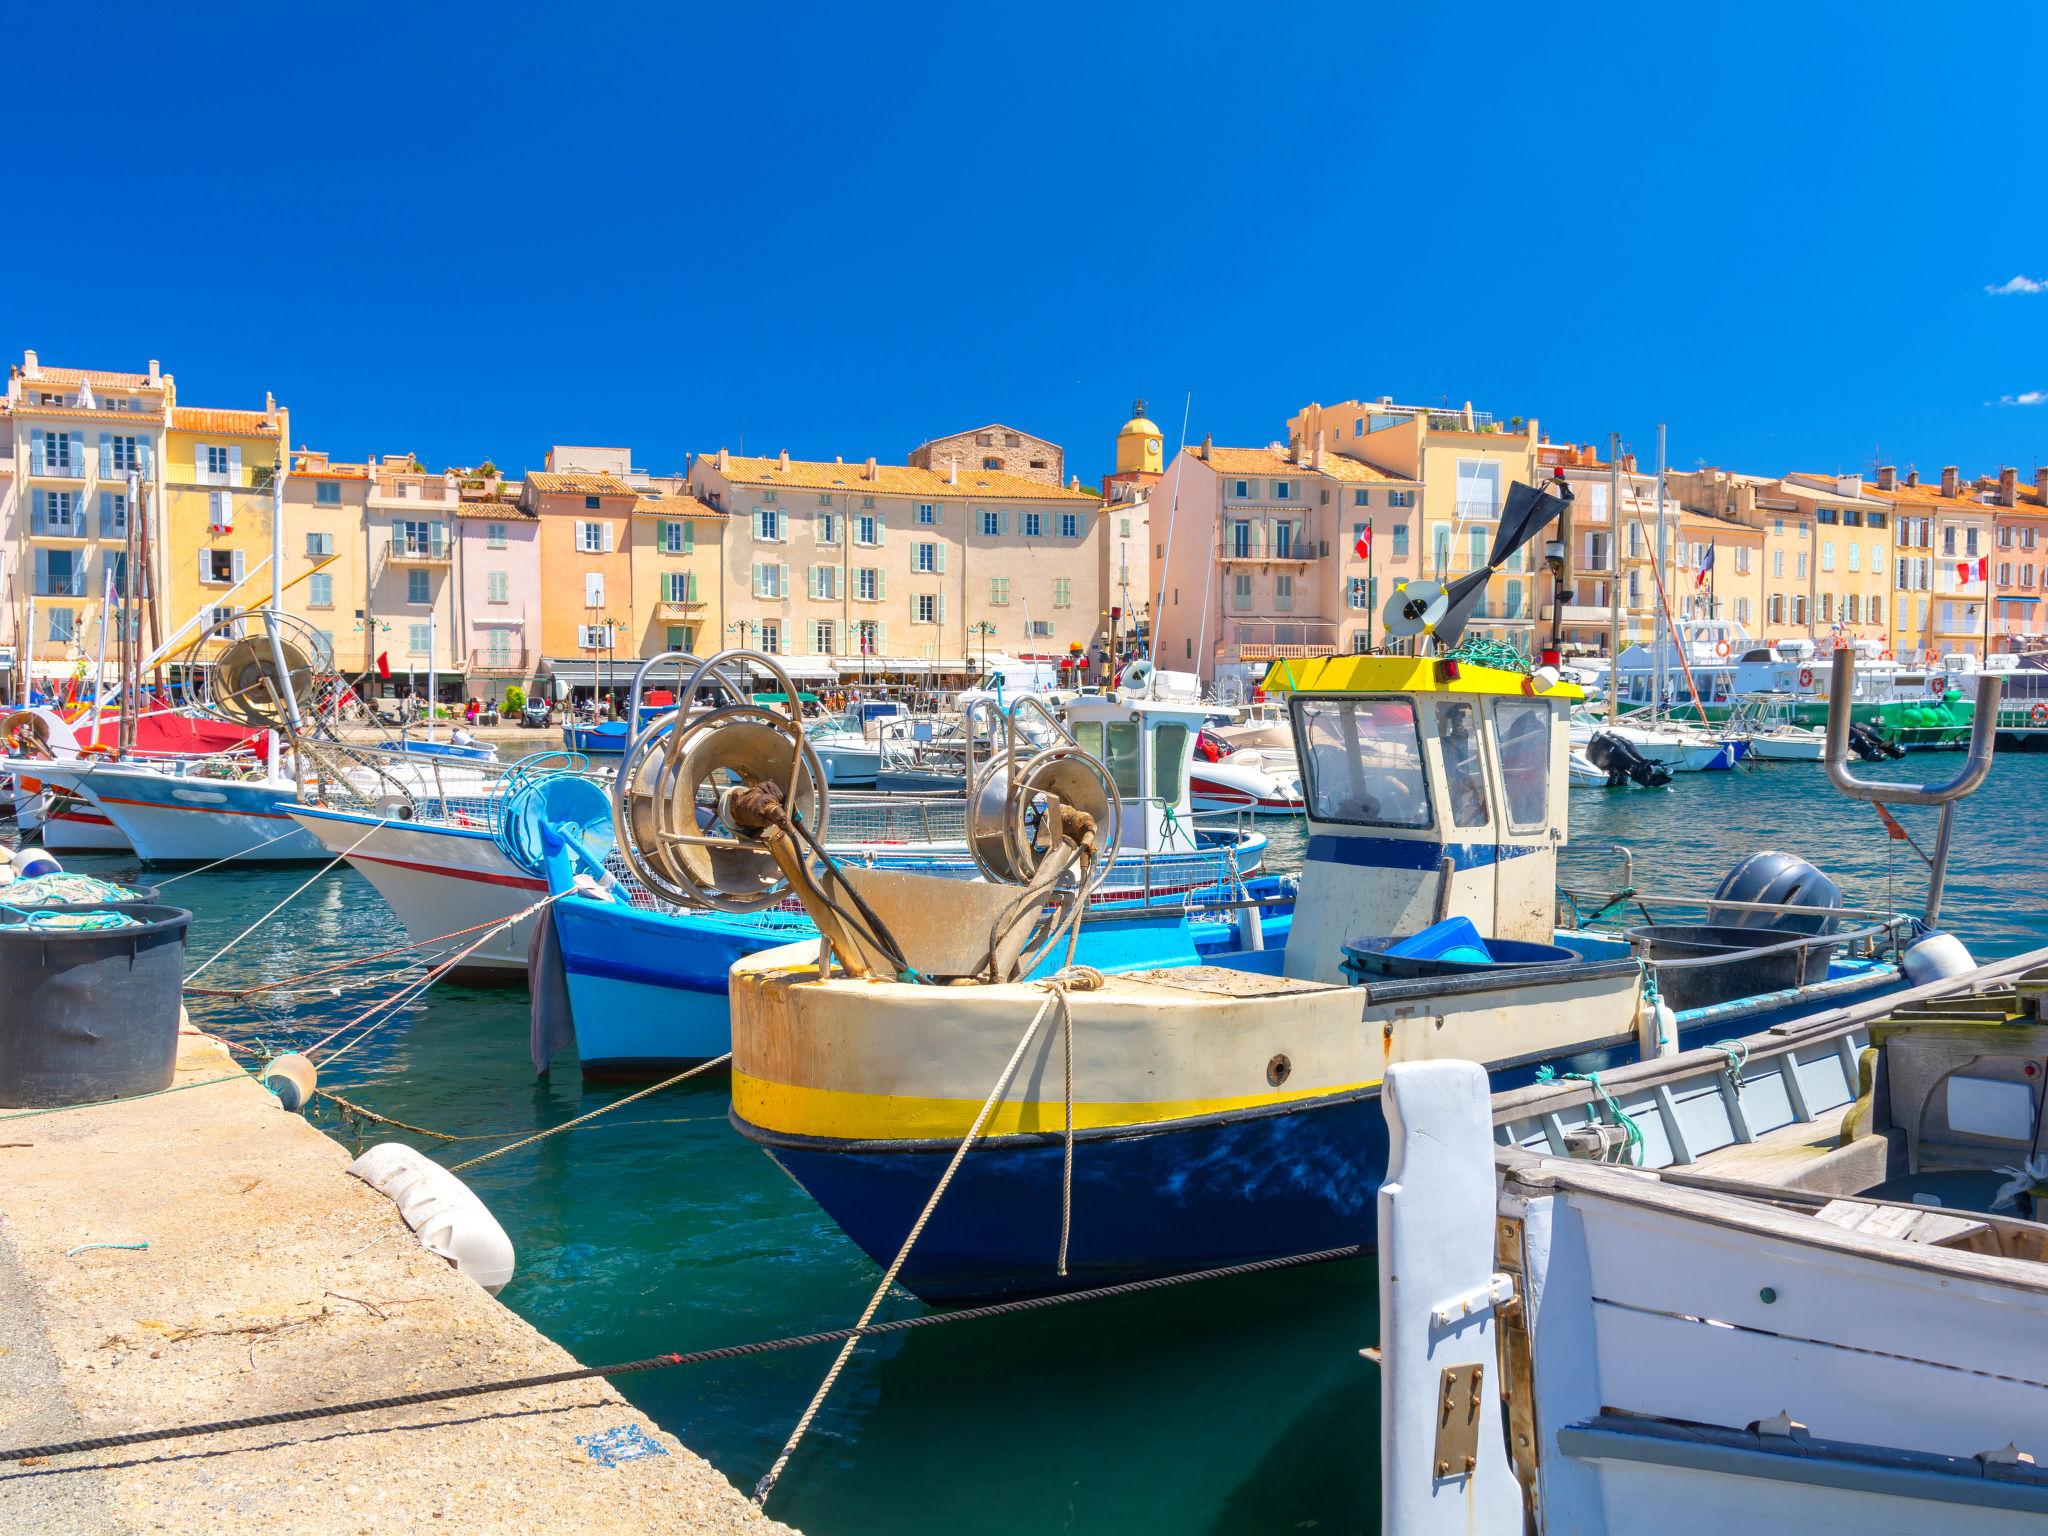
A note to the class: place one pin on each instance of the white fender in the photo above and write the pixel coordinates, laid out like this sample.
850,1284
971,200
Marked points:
444,1211
1936,956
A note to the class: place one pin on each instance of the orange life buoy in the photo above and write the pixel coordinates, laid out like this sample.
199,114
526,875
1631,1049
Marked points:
1720,647
1884,655
1937,684
2038,714
1806,677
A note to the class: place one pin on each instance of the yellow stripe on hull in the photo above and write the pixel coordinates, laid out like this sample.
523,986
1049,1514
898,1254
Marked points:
834,1115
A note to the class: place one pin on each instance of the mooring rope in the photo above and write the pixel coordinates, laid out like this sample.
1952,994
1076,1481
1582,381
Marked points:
1055,995
239,853
663,1362
288,900
342,965
570,1125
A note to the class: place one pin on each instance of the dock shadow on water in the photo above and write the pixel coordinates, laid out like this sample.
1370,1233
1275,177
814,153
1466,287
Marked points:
1227,1408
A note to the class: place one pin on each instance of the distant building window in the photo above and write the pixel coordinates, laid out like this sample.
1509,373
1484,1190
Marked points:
494,535
497,587
320,590
926,559
1063,592
1282,489
1361,498
927,606
999,591
319,545
419,639
592,503
1358,593
767,524
1401,541
867,529
593,538
927,513
327,493
991,524
216,460
1241,489
1400,498
416,587
1034,524
1070,525
991,463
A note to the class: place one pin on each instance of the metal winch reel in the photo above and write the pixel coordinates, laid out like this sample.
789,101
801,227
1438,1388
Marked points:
266,670
677,805
1009,831
25,732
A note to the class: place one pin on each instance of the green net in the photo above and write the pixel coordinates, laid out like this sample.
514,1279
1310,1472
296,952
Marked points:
1489,653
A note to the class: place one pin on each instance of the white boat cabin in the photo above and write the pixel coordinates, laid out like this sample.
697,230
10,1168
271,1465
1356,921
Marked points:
1434,790
1726,662
1146,739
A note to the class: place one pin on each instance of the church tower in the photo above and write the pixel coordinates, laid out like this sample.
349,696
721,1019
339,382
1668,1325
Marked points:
1139,450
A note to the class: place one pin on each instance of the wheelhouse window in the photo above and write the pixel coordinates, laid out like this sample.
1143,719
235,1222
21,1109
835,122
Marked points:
1363,761
1524,726
1116,746
1464,763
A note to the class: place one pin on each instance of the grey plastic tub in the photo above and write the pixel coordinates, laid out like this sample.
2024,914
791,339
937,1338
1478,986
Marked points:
89,1015
1733,968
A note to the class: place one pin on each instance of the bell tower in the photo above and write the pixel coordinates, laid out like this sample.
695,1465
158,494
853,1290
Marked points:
1139,449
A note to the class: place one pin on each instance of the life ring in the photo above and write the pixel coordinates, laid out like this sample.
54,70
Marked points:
1806,677
2038,714
1720,647
1937,684
1884,655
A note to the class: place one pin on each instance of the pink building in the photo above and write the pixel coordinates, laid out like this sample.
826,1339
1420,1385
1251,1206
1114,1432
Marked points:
497,562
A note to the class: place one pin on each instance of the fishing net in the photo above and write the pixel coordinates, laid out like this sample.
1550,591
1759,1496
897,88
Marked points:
67,890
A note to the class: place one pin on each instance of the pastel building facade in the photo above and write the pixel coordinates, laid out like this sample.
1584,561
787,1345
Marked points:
900,570
678,560
498,592
409,608
584,539
69,439
2020,571
327,554
222,485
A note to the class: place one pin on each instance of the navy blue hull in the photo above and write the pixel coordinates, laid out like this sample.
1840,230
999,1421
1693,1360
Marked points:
1187,1196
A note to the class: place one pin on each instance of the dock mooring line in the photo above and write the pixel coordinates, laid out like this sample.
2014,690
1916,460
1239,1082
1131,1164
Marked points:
663,1362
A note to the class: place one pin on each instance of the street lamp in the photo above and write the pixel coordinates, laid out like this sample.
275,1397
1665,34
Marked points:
984,629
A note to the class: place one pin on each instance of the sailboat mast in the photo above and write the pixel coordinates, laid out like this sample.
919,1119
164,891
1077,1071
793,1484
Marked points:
1614,577
1663,629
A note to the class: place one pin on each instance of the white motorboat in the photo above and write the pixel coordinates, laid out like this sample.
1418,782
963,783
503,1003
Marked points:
1766,722
1680,748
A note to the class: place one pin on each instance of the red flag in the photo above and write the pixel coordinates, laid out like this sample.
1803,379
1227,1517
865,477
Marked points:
1984,568
1962,570
383,663
1363,547
1974,570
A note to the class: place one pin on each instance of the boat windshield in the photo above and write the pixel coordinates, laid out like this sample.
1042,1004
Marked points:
1362,759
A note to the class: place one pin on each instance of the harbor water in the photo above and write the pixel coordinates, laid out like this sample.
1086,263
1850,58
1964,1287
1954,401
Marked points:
1229,1407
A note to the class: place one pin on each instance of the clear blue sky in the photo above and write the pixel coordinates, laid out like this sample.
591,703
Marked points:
470,231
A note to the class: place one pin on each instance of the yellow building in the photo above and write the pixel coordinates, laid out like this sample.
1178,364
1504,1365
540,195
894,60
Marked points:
326,553
220,474
677,553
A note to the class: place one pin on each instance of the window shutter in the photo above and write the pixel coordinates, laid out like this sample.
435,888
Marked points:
1003,522
234,466
440,538
881,585
940,610
107,453
593,589
881,639
942,558
205,566
881,530
757,578
607,536
235,569
689,537
36,449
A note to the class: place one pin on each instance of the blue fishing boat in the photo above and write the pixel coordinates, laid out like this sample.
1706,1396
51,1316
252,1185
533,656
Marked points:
1230,1111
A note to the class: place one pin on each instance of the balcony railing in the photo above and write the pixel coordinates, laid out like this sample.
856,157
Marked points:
51,468
44,526
49,584
410,551
676,609
513,660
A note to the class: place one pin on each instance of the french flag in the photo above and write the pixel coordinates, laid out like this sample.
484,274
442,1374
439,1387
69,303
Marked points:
1706,568
1968,571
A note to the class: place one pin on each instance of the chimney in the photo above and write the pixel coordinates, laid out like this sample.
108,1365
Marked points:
1074,484
783,459
838,458
1470,423
724,462
953,470
269,401
1948,480
1208,442
1318,459
156,373
2041,486
1887,477
2008,487
1912,478
32,368
868,471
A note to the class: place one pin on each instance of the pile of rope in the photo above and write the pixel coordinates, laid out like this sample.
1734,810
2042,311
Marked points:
67,890
1498,654
60,920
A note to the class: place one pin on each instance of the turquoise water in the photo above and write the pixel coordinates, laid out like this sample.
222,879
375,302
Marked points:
1232,1407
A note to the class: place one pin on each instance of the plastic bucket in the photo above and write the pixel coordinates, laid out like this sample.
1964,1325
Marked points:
1366,959
1739,972
91,1014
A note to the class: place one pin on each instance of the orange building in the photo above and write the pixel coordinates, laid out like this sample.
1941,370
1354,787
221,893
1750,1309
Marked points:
2020,562
586,569
1940,533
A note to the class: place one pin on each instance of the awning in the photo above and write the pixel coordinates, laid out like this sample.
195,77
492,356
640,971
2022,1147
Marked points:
593,672
2004,599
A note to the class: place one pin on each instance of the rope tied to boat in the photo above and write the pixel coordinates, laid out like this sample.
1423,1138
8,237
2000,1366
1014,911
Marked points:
1056,986
1737,1053
570,1125
1079,978
1632,1150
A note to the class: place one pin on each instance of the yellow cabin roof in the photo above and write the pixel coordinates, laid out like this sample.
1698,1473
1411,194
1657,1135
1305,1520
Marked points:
1402,674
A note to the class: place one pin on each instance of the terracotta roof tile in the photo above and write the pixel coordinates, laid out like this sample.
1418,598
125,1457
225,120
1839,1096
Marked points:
893,480
497,511
73,413
98,378
224,423
331,472
1274,461
675,506
578,483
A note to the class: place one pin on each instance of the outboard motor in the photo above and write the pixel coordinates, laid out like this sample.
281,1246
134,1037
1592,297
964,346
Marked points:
1785,880
1870,745
1623,764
